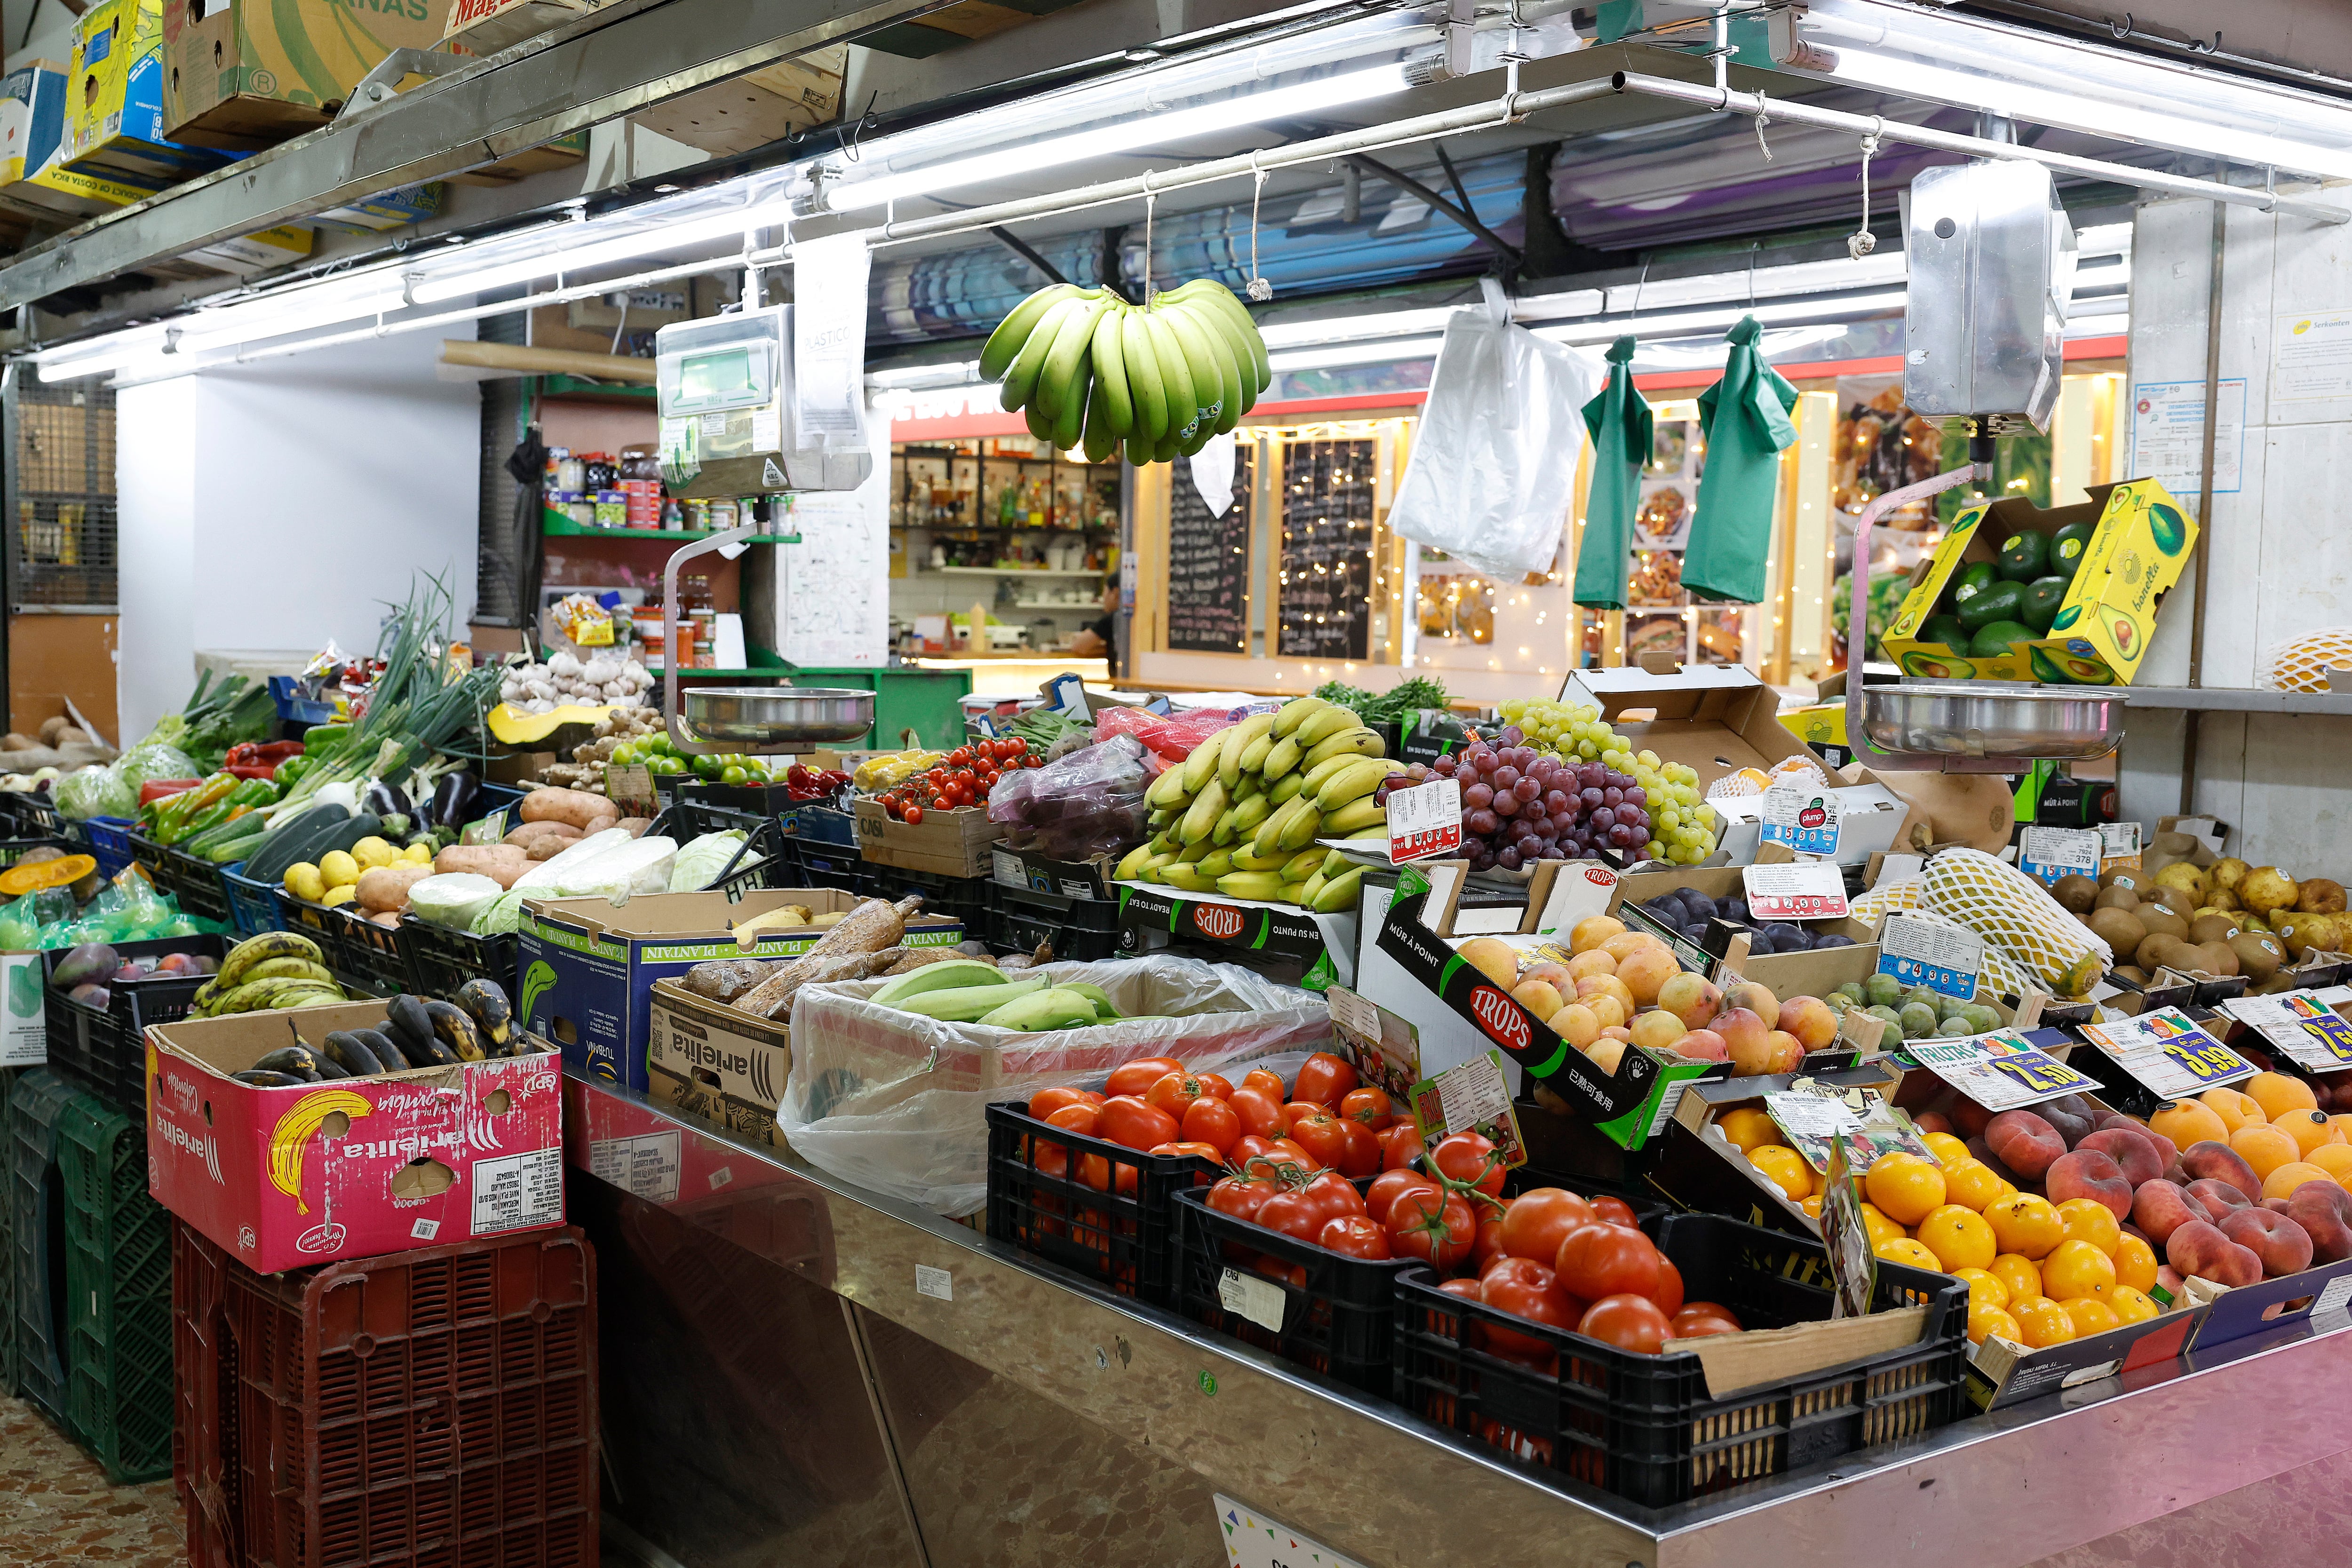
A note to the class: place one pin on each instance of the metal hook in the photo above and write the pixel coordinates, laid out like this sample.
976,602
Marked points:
1862,242
1641,283
1763,106
1753,247
1258,287
2125,31
857,130
1150,208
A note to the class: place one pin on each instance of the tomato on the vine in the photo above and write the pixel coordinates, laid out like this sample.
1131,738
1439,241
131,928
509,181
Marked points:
1471,1159
961,755
1241,1196
1245,1148
913,815
1295,1213
1324,1079
1387,1186
1488,1248
1015,746
1630,1322
1337,1195
1435,1226
1355,1236
1325,1140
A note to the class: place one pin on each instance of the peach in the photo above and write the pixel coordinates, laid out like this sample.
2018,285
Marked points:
2277,1094
2088,1174
1657,1030
2204,1250
1593,962
2284,1245
2264,1148
1933,1121
1969,1118
2220,1163
1626,943
2295,1174
2129,1147
1809,1019
1537,997
2309,1129
2166,1148
1607,1052
2235,1109
1575,1024
1693,998
2160,1208
1608,1009
2218,1197
2187,1121
2071,1128
1646,970
1555,976
1704,1046
2324,1210
1758,998
1788,1052
2025,1142
1591,931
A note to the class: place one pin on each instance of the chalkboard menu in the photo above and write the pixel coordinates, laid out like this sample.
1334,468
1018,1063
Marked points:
1326,549
1208,561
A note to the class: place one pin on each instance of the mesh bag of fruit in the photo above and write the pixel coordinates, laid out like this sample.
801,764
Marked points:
2301,664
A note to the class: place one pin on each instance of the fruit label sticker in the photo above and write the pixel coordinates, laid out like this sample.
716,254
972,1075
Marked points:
1425,821
2047,854
1809,890
2311,1032
2166,1054
1247,1296
2000,1071
1253,1541
1943,957
1472,1097
1853,1263
1806,820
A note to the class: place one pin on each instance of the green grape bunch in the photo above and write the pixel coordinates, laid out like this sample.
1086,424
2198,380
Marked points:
1682,826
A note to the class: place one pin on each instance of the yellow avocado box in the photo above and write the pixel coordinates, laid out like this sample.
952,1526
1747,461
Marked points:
2005,561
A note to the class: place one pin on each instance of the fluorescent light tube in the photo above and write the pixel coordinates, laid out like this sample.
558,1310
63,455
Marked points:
481,278
301,310
96,356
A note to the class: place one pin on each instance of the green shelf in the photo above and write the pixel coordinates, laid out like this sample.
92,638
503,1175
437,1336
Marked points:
555,525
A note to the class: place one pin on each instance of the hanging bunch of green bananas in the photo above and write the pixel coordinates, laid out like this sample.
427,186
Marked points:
1089,368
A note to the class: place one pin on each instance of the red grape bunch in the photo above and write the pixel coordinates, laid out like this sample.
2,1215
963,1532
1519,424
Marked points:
1520,806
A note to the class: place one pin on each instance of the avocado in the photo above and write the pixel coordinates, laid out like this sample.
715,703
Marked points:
1945,630
2000,602
1974,579
1920,662
2067,547
2024,555
2167,528
1993,639
2043,597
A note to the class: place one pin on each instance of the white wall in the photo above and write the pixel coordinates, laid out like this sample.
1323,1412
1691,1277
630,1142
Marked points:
279,506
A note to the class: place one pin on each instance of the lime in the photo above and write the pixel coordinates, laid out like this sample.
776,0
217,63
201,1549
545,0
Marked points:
731,774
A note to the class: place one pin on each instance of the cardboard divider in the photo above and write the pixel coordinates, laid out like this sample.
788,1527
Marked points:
1321,947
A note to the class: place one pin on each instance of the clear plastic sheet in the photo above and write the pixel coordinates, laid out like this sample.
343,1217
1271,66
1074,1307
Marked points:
1089,802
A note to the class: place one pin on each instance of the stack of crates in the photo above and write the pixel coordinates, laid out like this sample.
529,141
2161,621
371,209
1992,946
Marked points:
117,1294
37,1241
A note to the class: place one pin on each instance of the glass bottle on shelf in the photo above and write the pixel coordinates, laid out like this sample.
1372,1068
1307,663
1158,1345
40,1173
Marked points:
1006,501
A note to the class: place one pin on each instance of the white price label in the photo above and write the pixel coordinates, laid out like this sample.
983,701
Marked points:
1253,1541
1352,1013
1804,890
2119,840
829,279
1248,1296
1805,819
1944,958
1425,821
645,1166
936,1283
2050,853
2000,1071
519,1192
2169,1055
2310,1033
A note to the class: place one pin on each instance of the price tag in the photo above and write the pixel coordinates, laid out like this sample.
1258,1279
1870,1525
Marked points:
1853,1263
1262,1301
2000,1071
1386,1048
633,789
2120,841
2171,1057
1806,820
1425,821
1472,1097
1946,958
1253,1541
1814,1116
2047,854
2310,1032
1806,890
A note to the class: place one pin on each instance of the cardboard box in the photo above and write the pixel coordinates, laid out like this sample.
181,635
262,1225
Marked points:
947,843
1977,810
386,210
1699,1170
1026,869
1717,719
545,158
2136,553
257,252
714,1062
286,1178
32,117
751,110
34,188
1813,974
247,74
114,104
588,968
486,26
1244,930
2002,1373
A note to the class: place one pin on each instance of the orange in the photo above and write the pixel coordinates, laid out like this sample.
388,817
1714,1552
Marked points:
2344,1123
2264,1147
2309,1129
2277,1094
2336,1159
1881,1229
1784,1168
2091,1316
1911,1253
2283,1182
2025,1224
1972,1183
2187,1121
2133,1305
1906,1187
1812,1206
1984,1290
2088,1219
2235,1110
1748,1127
1949,1150
2019,1274
2134,1266
1992,1321
1959,1237
2042,1322
2077,1268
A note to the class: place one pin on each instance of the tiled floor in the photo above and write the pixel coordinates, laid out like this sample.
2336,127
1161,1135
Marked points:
55,1506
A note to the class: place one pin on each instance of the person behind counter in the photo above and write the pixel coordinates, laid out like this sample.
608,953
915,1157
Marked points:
1099,639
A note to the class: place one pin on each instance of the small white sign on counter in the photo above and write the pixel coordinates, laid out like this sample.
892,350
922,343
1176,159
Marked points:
1804,818
1943,957
1425,821
2046,853
1253,1541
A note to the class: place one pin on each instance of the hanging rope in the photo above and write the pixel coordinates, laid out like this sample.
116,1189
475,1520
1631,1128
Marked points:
1862,242
1150,206
1258,287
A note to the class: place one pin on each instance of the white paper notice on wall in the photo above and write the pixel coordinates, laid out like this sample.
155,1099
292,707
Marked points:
835,591
829,277
2311,356
2168,434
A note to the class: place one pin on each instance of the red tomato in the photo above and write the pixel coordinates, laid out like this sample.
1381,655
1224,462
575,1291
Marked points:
1630,1322
1536,1298
1355,1236
1095,1171
1014,746
1284,1148
1194,1147
1610,1210
1046,1101
1699,1319
1137,1076
960,756
1082,1119
1127,1119
1385,1188
1465,1288
1470,1158
1211,1121
1368,1105
1297,1213
1489,1245
1240,1196
1400,1146
1540,1220
1325,1140
1325,1080
1214,1084
913,816
1362,1155
1296,1110
1522,1268
1670,1287
1051,1159
1336,1194
1436,1226
1598,1261
1174,1093
1265,1083
1258,1115
1245,1148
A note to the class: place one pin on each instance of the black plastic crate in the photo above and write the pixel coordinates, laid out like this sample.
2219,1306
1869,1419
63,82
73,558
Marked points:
1645,1427
1080,931
153,857
812,863
37,1242
965,898
378,955
104,1050
197,884
1119,1234
14,850
753,864
34,814
354,957
442,959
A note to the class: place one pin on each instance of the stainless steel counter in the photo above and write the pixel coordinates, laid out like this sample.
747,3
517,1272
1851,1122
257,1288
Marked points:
799,1371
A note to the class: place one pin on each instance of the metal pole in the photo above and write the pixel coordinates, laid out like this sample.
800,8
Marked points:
2192,729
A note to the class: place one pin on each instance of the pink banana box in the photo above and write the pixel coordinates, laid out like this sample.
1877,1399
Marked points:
356,1168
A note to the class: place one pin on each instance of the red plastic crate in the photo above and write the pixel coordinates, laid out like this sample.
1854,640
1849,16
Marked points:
432,1407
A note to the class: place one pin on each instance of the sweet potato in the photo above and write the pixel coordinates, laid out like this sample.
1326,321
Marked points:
502,863
588,812
531,833
385,889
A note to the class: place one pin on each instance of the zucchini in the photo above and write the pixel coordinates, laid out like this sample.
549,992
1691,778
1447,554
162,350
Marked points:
2025,555
344,834
268,863
2067,547
2000,602
1993,639
2043,597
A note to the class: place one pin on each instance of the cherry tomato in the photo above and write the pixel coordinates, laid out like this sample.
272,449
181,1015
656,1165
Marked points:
1670,1286
1258,1114
1325,1080
1470,1158
1046,1101
1368,1105
1325,1140
1355,1236
1015,746
1699,1319
961,755
914,814
1265,1083
1128,1120
1362,1155
1400,1146
1213,1084
1436,1226
1628,1322
1240,1196
1539,1299
1140,1075
1211,1121
1540,1220
1297,1213
1081,1119
1610,1210
1598,1261
1387,1186
1174,1093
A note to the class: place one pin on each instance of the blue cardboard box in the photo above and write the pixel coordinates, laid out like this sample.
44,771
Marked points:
588,967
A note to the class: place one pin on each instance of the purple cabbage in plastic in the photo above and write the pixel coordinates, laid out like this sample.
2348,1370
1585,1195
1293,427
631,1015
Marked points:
1088,803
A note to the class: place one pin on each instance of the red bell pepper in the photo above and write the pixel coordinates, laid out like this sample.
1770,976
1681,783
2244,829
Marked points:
261,753
243,771
156,789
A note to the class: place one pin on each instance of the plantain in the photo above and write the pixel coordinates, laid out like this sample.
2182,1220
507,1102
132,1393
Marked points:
298,1060
407,1020
259,949
493,1015
392,1051
261,1078
351,1054
453,1026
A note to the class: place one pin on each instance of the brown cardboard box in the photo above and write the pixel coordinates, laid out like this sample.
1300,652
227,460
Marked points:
486,26
560,154
247,74
712,1062
1812,973
1717,719
1701,1171
1977,810
762,106
946,843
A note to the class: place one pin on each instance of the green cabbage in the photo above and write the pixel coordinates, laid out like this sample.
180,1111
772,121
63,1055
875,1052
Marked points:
501,915
153,760
95,792
700,862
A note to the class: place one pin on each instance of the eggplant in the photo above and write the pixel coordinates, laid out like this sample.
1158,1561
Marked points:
383,800
453,800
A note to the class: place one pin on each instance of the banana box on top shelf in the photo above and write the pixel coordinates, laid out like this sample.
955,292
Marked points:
2066,596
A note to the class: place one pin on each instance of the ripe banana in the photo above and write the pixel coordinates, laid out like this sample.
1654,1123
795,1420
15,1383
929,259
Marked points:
1168,792
1352,784
1316,777
1213,866
1249,813
1132,863
1187,878
1282,757
1300,830
1200,763
1250,885
1248,859
259,949
1321,727
1360,742
1286,788
1354,815
1223,833
1340,893
1308,861
1201,818
1304,895
1246,735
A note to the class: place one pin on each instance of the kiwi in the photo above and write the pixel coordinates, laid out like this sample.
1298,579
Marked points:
2215,928
2117,898
2177,900
2131,972
2160,921
2120,929
2161,949
2259,956
2124,877
2217,958
2076,892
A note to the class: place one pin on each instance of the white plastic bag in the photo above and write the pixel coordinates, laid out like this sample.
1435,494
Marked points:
1493,465
893,1100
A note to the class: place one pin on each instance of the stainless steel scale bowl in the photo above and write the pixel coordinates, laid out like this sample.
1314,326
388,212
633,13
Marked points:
1993,719
781,716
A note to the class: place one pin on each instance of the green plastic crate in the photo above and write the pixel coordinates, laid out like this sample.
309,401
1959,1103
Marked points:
8,1076
117,1294
37,1240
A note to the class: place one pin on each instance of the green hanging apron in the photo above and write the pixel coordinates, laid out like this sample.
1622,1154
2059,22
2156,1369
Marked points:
1620,423
1745,418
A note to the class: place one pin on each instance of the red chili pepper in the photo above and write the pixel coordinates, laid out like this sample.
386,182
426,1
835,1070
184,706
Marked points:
252,771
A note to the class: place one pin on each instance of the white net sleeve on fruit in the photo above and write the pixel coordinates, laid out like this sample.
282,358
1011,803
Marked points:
2012,911
2001,974
1800,771
2301,664
1874,906
1738,786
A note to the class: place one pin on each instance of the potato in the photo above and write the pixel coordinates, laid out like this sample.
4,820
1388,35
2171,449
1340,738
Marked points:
385,889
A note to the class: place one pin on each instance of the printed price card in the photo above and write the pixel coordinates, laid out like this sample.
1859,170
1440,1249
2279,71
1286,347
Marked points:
2047,854
2169,1055
1472,1097
1253,1541
2310,1032
1806,820
1943,957
1814,1116
1425,821
2000,1071
2120,841
1808,890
